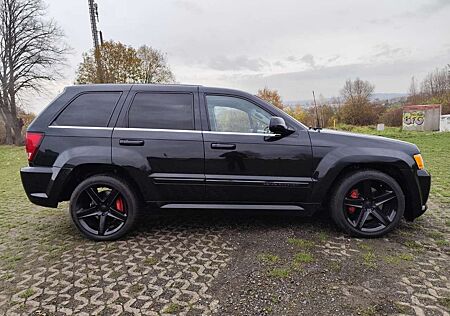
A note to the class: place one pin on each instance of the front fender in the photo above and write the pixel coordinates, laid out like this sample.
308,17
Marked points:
333,162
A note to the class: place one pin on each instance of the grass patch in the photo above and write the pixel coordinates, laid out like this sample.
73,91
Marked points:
323,236
27,293
335,266
442,242
413,245
301,243
172,308
303,257
150,261
435,234
444,301
367,311
136,288
280,273
397,259
268,258
365,247
369,259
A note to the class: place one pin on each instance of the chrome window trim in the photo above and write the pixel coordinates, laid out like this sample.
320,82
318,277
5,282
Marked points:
81,127
245,134
190,131
137,129
163,130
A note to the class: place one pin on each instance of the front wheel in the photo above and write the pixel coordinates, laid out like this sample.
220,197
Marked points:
103,207
367,203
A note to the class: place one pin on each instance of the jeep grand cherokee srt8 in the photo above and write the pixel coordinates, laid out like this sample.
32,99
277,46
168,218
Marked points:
112,149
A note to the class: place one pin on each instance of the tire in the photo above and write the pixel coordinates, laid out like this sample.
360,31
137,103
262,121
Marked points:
356,201
103,207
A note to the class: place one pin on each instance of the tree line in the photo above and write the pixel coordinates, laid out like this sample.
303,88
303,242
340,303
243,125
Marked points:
355,105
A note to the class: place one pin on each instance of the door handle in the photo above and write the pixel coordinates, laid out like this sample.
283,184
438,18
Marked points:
223,146
131,142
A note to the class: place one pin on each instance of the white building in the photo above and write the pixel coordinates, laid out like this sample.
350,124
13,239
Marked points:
445,123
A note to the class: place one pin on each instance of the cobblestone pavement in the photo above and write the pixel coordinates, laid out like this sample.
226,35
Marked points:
181,263
164,269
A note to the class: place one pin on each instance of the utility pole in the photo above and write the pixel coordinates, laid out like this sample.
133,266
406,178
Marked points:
93,13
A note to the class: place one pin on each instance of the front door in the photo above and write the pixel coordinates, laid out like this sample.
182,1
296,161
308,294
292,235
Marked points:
245,162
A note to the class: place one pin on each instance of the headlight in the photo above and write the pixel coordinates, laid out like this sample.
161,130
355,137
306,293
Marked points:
419,161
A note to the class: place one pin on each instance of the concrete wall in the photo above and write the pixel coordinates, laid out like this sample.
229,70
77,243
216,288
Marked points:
421,117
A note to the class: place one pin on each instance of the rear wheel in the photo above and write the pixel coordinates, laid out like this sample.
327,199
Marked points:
103,207
367,203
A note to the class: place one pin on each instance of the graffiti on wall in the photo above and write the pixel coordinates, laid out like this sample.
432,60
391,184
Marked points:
414,118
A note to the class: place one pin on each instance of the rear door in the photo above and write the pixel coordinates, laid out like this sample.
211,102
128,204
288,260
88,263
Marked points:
158,140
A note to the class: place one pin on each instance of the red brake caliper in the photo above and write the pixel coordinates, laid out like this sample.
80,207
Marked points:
354,194
119,205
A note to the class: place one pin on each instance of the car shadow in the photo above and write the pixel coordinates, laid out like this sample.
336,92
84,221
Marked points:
232,219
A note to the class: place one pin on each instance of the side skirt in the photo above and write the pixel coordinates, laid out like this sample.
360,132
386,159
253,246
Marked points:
234,207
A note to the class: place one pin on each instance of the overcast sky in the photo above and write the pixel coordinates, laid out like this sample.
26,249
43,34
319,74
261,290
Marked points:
290,45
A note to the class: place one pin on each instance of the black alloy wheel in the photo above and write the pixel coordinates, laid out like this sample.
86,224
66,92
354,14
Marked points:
103,208
368,204
371,205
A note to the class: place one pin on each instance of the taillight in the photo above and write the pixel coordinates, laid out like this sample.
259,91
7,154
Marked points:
33,140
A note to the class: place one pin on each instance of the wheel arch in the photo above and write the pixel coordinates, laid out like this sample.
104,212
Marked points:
398,174
84,171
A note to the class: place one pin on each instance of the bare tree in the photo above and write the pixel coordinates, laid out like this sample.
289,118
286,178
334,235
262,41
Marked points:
357,91
357,108
154,65
31,49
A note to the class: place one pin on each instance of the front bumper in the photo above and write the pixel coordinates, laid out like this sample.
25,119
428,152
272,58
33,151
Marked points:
424,185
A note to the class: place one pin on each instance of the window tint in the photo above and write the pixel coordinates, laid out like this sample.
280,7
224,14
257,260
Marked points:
89,109
162,110
231,114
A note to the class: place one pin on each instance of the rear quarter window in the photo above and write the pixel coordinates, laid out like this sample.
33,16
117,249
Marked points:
89,109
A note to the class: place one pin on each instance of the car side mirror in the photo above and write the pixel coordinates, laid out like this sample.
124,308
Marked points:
277,125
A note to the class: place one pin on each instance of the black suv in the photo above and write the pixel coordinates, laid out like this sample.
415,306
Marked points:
110,149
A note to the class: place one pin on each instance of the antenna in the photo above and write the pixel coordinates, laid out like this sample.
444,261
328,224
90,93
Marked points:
317,113
93,12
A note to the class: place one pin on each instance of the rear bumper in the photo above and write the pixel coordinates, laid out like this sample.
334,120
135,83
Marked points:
41,185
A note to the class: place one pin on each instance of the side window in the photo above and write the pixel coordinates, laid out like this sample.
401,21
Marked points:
89,109
231,114
162,111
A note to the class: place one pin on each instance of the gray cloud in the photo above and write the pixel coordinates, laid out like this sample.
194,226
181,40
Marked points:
309,60
189,6
333,58
386,51
434,6
237,63
391,76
